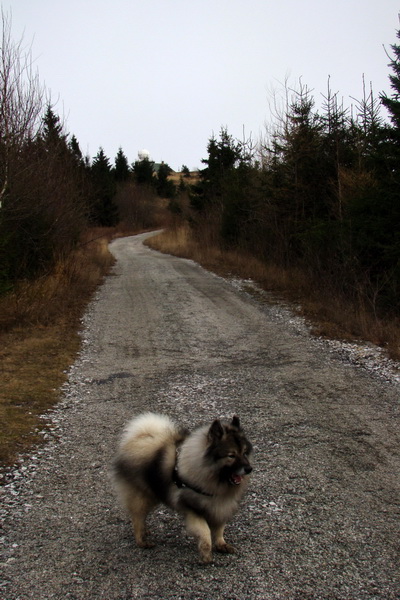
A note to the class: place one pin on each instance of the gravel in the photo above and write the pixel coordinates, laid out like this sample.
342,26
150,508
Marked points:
321,519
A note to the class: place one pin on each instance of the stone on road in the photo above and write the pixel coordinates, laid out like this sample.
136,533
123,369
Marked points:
321,518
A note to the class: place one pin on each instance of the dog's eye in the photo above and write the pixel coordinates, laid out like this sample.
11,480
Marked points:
231,455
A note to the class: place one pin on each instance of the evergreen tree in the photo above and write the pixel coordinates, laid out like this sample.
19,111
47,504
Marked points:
165,187
223,156
143,171
392,104
185,171
104,211
223,192
75,151
302,155
121,169
101,167
375,216
53,138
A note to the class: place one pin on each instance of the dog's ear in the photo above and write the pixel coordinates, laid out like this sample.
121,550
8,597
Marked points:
235,422
216,431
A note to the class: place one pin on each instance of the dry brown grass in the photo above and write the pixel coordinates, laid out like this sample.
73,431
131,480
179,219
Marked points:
191,179
329,315
39,322
181,242
33,364
39,340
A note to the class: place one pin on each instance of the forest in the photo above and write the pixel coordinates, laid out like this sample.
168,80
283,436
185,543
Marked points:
311,212
320,196
320,193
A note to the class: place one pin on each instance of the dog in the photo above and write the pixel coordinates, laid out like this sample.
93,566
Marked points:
202,475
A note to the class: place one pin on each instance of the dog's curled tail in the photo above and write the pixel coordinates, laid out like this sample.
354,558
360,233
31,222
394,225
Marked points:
145,434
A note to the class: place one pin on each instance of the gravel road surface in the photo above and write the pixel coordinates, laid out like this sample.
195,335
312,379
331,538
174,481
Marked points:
321,519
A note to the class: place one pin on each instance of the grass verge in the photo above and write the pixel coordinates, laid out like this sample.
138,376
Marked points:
39,340
328,314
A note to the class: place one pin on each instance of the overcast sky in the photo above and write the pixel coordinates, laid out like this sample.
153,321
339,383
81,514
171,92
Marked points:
165,74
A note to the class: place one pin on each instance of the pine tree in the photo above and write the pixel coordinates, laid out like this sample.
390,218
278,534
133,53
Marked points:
185,171
53,137
373,209
121,169
223,194
392,104
224,155
143,171
165,187
101,167
104,210
75,151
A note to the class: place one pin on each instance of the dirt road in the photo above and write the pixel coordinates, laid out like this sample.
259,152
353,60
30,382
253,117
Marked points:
321,520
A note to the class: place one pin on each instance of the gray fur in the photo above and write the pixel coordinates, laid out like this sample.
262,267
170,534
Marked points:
212,468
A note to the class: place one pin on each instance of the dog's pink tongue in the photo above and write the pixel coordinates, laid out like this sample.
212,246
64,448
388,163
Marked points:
237,479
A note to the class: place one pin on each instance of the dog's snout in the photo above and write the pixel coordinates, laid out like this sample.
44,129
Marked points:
248,469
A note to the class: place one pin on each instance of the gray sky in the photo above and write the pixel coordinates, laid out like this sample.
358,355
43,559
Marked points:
165,74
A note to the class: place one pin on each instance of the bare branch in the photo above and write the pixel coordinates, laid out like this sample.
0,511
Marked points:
21,99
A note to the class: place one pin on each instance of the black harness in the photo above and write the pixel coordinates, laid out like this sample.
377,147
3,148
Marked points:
178,481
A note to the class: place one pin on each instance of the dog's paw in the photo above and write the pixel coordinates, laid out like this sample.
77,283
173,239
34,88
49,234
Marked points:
206,559
225,548
145,544
205,553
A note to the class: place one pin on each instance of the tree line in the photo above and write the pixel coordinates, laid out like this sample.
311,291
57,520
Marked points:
49,192
322,193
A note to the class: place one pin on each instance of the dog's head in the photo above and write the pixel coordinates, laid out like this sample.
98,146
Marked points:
230,451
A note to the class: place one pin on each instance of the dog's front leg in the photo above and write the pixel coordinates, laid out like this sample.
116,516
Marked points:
198,528
220,543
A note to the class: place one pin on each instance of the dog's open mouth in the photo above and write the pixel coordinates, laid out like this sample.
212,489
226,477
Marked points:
235,479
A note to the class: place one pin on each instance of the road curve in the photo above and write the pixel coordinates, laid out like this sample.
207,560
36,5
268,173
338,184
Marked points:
321,519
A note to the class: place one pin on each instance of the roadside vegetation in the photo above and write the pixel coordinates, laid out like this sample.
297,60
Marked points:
311,212
58,211
39,339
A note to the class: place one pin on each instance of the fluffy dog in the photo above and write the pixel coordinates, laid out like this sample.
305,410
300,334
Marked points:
202,475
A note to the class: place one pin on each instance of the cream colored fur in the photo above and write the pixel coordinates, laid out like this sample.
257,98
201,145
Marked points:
142,439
